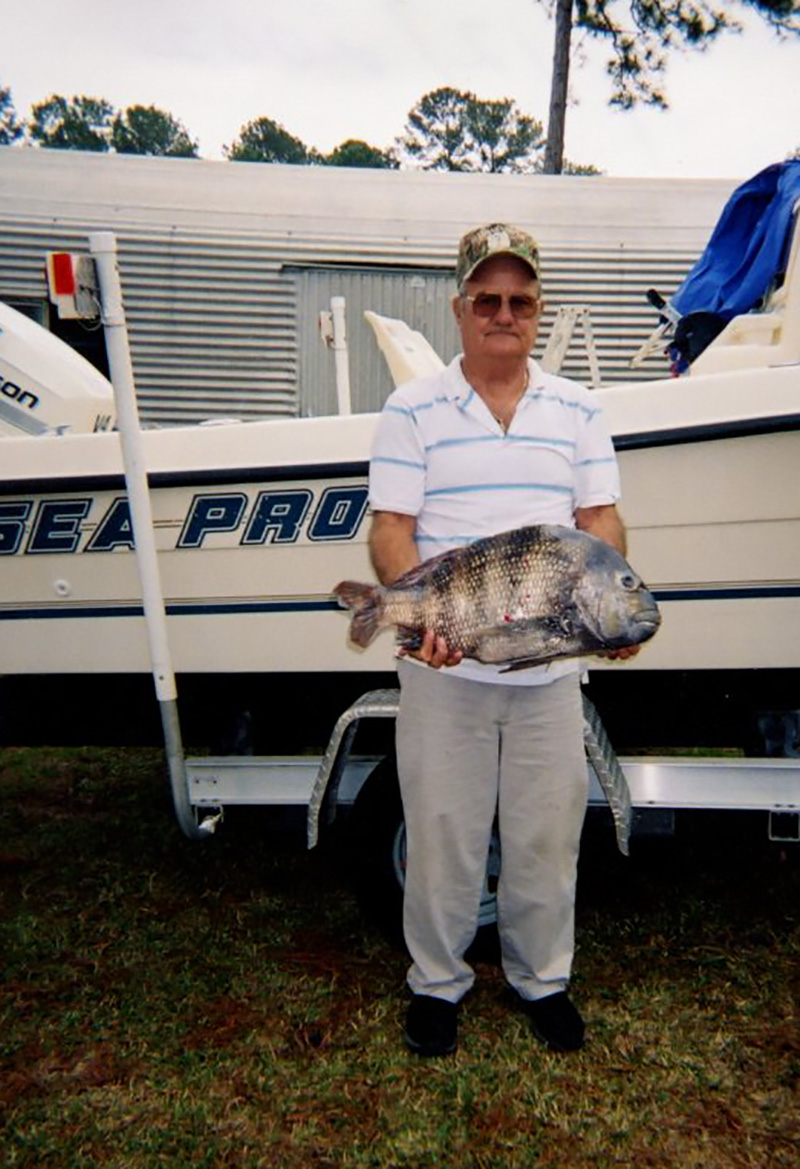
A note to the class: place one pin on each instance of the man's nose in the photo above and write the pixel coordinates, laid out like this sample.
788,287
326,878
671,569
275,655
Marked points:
504,313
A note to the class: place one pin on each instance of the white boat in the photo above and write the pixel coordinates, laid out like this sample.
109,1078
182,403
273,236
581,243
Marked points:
255,522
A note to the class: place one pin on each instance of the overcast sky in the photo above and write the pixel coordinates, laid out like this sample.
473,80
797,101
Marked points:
335,69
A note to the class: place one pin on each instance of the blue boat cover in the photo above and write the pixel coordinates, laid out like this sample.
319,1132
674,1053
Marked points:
748,248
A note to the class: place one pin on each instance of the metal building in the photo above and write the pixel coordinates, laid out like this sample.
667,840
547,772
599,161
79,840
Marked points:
225,266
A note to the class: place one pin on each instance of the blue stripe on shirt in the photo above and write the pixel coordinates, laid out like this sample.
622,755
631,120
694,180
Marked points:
471,487
450,442
530,439
540,395
439,400
422,539
541,440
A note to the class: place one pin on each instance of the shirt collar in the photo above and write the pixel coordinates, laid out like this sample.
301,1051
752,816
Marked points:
462,393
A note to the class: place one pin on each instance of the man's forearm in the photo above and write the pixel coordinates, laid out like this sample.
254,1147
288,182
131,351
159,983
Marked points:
604,522
394,551
392,548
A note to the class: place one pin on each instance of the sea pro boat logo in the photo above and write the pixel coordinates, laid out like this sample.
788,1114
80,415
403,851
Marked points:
276,517
273,515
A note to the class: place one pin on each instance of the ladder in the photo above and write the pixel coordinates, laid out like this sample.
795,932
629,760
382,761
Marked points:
560,338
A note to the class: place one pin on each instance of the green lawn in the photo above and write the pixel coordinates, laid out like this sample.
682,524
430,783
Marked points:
167,1003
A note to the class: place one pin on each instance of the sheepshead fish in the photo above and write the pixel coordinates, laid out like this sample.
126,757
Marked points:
517,599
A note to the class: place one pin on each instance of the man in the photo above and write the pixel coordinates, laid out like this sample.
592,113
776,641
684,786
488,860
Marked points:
489,444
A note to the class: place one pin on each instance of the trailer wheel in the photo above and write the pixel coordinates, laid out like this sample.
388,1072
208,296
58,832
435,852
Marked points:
378,857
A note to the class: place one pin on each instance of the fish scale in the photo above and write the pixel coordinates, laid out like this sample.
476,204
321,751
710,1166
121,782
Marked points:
516,599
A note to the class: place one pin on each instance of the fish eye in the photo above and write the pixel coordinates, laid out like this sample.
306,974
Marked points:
629,581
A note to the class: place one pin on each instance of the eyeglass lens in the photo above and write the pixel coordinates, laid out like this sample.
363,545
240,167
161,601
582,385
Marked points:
487,304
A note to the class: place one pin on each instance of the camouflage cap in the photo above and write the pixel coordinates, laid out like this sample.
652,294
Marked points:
495,239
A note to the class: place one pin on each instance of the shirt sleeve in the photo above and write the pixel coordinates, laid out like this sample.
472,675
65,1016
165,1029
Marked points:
596,468
397,464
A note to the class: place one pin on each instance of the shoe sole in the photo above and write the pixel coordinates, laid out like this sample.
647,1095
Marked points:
429,1051
550,1043
558,1048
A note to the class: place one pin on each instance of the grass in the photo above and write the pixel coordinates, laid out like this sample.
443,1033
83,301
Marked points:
167,1003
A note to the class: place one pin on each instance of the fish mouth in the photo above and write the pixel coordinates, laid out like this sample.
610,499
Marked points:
646,622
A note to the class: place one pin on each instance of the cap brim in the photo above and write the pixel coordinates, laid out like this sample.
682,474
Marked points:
494,255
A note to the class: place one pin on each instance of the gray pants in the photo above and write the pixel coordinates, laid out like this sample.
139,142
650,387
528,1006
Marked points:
468,751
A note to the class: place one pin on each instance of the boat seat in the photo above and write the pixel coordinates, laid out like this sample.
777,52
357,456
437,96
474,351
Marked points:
770,336
408,353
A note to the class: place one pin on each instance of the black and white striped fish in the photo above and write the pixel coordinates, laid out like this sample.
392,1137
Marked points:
517,599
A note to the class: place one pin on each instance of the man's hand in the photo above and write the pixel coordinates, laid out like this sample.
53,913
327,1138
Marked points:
434,651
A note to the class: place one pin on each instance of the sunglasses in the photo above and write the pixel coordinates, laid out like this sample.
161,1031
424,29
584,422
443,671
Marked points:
488,304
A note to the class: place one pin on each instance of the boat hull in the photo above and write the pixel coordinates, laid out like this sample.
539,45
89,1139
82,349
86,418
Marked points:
255,523
714,530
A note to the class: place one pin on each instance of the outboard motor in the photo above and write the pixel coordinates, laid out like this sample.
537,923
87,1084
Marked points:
45,386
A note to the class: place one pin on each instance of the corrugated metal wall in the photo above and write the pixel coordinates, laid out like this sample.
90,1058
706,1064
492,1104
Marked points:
212,321
611,281
225,324
419,297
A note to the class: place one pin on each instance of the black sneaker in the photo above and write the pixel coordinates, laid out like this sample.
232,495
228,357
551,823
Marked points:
556,1021
431,1025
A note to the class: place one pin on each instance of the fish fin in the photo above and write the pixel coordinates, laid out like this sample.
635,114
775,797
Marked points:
519,645
420,574
524,664
367,602
544,657
409,638
523,640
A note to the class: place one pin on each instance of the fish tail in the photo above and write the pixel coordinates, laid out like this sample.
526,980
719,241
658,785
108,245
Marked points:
367,602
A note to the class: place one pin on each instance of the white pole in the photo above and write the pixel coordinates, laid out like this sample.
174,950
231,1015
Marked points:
340,357
103,247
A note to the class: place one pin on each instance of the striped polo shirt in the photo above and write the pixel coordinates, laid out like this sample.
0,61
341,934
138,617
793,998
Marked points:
440,455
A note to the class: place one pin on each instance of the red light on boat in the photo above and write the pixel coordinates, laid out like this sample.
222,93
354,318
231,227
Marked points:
63,268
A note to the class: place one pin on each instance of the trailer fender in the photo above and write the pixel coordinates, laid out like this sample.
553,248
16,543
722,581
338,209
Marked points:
385,704
322,804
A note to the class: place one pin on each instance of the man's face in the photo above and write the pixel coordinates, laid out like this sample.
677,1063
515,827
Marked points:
503,333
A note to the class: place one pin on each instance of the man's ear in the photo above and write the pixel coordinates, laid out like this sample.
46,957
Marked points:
457,304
